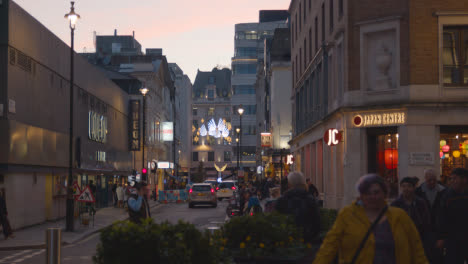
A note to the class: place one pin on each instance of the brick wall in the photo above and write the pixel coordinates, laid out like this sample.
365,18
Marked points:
424,38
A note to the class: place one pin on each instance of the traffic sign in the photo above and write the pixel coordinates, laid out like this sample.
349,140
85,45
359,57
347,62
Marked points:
86,196
76,189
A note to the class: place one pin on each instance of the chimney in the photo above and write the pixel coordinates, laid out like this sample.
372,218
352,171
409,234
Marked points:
115,32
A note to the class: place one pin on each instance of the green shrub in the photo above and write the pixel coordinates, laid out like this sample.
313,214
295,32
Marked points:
271,235
126,242
327,219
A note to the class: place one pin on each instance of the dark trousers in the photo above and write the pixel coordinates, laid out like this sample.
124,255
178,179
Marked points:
6,226
457,252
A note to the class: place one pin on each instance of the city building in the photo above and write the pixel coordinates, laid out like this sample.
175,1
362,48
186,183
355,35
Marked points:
378,87
248,52
34,122
151,69
183,97
273,88
212,132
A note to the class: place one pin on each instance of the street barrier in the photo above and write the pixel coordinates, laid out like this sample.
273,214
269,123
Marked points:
177,196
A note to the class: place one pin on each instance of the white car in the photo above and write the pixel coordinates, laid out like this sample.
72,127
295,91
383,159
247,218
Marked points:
226,189
202,193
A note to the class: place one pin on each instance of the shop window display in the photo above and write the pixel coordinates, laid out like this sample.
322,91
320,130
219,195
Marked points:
383,159
453,153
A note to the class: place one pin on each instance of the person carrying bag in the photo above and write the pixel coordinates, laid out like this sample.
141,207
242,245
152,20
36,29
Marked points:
370,232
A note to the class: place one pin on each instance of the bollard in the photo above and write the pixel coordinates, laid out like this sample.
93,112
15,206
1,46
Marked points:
53,244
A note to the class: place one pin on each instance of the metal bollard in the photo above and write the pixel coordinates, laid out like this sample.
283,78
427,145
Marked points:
53,244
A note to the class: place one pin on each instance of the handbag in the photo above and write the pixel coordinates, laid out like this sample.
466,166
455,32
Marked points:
371,228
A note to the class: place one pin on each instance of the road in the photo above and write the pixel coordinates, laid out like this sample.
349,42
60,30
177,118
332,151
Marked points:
83,251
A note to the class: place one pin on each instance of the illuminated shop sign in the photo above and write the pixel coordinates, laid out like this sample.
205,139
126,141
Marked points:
165,165
97,127
266,140
167,131
101,156
332,137
379,119
134,126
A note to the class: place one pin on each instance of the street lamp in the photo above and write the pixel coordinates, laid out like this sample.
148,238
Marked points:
240,110
144,91
73,18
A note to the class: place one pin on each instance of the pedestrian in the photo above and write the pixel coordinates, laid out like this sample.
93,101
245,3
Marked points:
253,205
138,208
120,196
368,231
114,194
125,195
417,209
453,226
312,189
432,192
300,204
7,231
275,194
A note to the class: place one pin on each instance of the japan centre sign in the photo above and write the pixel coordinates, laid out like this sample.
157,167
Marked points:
379,119
167,131
134,125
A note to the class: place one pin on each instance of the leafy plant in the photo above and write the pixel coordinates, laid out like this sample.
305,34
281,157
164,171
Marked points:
327,219
126,242
263,235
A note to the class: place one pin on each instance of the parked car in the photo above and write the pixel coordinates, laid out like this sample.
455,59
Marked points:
226,189
202,193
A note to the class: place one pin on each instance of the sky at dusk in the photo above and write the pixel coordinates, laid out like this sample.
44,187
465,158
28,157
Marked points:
195,34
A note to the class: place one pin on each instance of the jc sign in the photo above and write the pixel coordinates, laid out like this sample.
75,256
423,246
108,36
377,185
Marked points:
332,137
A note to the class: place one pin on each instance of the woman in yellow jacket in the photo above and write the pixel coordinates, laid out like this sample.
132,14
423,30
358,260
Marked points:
394,240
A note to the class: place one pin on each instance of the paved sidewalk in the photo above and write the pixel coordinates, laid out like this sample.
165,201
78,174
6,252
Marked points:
34,237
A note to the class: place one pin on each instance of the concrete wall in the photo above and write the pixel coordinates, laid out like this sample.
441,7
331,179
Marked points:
280,104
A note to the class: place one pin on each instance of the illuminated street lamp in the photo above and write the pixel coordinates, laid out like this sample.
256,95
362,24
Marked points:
73,18
240,110
144,91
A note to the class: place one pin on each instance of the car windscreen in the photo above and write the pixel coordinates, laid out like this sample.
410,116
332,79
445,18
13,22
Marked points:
201,188
224,185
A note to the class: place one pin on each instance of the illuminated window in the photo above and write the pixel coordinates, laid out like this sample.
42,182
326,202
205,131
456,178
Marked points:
211,111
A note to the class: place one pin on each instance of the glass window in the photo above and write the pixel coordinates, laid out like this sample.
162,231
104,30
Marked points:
244,89
240,35
226,185
212,80
194,156
340,8
211,156
194,111
211,111
246,52
251,35
227,155
244,69
210,94
455,55
383,158
201,188
453,152
195,123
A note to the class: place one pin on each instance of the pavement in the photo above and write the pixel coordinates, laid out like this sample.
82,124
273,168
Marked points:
34,237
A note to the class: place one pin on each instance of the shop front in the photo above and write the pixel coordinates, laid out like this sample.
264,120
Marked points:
393,143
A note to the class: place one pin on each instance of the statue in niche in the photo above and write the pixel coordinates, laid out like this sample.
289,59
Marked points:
383,61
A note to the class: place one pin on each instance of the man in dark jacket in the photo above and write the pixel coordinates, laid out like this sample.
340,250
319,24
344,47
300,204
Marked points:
138,208
432,192
301,205
453,225
417,209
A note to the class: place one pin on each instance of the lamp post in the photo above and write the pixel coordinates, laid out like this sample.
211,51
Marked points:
238,152
144,91
72,17
240,110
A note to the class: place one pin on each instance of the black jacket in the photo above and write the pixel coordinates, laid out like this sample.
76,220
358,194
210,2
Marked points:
418,211
301,205
453,223
436,207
